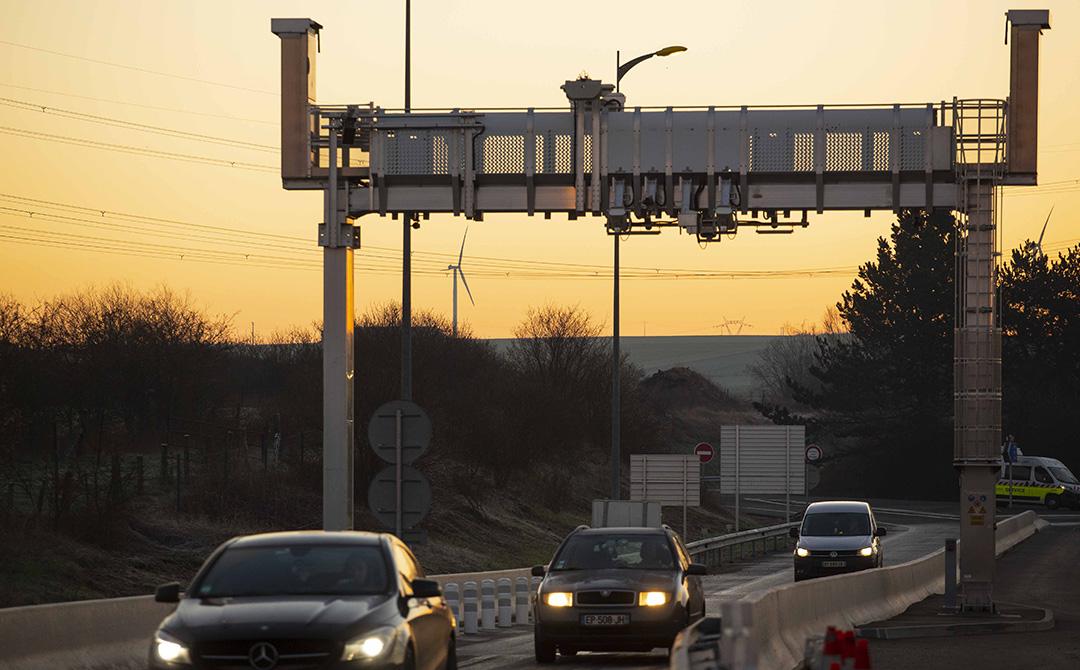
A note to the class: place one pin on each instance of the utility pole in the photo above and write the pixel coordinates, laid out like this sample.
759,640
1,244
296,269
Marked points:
616,455
406,238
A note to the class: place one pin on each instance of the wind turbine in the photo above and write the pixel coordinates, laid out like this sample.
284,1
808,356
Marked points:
1039,243
459,273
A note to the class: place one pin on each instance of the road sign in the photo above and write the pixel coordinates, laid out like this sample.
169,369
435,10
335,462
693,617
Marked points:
415,496
813,453
704,451
415,431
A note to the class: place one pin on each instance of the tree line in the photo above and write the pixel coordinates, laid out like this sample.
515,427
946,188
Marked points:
108,395
875,385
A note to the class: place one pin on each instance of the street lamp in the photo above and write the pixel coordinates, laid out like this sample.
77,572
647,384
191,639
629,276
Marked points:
620,71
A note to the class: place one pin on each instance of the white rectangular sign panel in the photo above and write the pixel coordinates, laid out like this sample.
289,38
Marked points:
769,460
668,479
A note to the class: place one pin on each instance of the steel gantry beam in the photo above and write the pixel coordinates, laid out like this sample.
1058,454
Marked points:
708,170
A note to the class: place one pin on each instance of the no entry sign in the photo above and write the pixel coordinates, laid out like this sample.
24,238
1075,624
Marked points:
704,451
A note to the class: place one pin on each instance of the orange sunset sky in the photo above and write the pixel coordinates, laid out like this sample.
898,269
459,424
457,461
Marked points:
255,257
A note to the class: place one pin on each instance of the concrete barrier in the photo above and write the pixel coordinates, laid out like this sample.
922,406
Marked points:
521,601
452,594
487,603
471,608
505,595
773,625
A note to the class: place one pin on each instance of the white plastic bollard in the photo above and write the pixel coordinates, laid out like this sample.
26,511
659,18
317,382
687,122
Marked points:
452,594
533,595
487,603
470,606
521,600
506,602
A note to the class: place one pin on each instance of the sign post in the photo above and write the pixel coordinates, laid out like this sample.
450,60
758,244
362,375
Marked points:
400,432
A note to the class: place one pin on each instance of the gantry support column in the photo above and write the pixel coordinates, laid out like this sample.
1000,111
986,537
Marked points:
977,392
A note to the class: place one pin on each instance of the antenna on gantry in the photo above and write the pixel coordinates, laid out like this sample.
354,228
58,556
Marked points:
458,272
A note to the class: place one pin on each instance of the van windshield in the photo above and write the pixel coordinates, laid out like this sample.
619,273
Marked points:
831,524
1064,476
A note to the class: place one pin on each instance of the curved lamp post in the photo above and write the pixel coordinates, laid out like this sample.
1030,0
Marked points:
616,455
622,69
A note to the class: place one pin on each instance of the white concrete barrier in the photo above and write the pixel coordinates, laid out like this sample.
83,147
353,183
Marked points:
487,603
521,601
471,606
452,595
768,630
505,596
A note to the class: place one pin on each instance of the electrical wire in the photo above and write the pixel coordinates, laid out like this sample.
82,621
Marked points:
135,68
138,151
131,125
142,105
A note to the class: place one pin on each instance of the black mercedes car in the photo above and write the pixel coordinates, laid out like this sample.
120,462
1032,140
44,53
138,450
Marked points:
307,600
616,589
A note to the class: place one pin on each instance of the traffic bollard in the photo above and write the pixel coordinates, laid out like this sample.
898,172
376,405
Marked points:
506,602
521,599
470,606
452,594
487,603
534,593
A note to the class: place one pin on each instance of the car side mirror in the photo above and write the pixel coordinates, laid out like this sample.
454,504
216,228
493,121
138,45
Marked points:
793,532
167,593
538,571
697,570
426,588
880,531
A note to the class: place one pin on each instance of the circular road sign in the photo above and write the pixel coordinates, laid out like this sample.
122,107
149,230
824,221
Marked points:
813,453
415,431
415,496
704,451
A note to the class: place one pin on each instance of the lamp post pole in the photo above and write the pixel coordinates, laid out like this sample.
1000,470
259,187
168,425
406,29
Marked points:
616,360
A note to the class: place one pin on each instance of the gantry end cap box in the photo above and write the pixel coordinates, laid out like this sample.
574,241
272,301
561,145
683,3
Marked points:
299,38
1023,114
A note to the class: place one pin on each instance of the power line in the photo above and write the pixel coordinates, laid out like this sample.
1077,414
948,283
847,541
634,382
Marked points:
131,125
136,68
138,151
142,105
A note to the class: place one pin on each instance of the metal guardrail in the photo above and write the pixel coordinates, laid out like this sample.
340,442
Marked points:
745,544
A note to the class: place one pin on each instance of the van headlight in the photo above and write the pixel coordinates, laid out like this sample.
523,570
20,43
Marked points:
370,645
867,551
801,552
169,649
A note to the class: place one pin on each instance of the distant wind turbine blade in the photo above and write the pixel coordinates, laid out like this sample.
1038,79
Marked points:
462,252
461,274
1039,243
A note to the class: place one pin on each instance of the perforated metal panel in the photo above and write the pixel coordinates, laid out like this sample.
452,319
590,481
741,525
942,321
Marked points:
502,154
419,152
912,148
844,150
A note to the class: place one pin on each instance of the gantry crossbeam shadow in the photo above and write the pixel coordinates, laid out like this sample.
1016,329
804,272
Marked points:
709,170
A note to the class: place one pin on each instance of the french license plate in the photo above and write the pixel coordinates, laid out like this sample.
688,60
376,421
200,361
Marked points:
605,619
833,564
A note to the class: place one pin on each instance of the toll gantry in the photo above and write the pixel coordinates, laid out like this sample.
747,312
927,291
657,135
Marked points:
710,171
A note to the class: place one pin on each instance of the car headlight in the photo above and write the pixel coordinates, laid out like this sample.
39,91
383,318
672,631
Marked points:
559,599
170,650
801,553
867,551
369,645
652,598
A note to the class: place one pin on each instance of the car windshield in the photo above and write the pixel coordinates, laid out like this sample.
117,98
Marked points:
1064,476
831,524
619,552
296,570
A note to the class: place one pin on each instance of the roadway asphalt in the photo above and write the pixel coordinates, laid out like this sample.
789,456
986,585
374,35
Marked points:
911,535
1041,571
